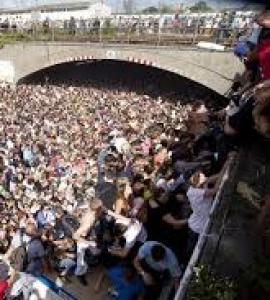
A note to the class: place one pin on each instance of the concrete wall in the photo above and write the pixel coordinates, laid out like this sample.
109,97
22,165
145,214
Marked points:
214,70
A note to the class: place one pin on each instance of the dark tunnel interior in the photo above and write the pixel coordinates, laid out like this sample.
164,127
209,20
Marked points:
127,75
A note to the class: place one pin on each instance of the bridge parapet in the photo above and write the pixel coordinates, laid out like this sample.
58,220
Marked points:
214,70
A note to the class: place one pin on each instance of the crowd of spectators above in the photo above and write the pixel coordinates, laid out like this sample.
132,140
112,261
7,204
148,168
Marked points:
65,150
210,22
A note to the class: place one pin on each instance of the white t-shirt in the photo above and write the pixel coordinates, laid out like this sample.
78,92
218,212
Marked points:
134,233
20,238
200,206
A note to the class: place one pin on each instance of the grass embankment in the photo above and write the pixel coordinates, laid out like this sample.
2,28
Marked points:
107,35
12,37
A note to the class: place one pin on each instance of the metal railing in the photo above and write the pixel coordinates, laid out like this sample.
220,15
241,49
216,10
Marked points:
126,34
181,293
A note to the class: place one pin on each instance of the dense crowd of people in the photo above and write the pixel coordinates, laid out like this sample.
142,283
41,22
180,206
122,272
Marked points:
101,176
64,147
184,23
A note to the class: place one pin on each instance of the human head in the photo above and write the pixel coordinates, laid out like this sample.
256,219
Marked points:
96,205
158,252
138,189
264,18
161,196
31,230
122,183
197,179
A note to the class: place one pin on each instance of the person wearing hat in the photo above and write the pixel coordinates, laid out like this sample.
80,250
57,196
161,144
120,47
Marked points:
7,278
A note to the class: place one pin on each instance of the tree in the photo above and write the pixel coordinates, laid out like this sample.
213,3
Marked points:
150,10
201,6
166,9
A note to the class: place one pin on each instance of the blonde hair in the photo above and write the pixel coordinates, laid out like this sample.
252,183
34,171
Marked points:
31,230
95,204
121,183
120,193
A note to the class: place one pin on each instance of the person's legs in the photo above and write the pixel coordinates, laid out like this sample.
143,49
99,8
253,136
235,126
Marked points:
81,267
191,243
66,265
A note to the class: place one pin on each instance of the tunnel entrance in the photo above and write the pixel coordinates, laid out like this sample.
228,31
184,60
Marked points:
127,75
77,123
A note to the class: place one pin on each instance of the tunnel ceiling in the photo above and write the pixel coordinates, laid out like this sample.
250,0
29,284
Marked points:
115,73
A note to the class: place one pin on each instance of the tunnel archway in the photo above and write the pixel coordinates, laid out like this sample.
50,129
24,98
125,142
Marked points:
117,73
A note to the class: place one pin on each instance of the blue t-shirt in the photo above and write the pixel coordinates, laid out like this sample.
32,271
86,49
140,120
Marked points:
126,290
169,262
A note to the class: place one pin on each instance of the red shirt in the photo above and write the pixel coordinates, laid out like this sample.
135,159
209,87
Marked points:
3,289
264,58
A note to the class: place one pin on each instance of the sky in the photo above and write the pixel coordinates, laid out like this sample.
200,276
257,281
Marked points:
115,3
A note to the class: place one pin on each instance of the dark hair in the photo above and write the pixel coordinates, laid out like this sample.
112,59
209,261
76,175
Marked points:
138,189
118,230
197,104
122,241
158,252
164,143
138,178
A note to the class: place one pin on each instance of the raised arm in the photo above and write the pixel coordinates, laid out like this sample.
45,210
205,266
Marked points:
12,277
218,177
175,223
121,219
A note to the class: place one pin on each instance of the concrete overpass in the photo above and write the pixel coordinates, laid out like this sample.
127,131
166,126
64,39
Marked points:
214,70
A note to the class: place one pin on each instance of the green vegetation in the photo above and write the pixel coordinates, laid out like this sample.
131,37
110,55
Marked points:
252,283
255,281
12,37
201,6
150,10
166,9
205,285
